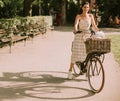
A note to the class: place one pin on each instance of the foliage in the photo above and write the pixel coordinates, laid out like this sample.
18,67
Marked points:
1,3
115,46
11,8
107,8
72,11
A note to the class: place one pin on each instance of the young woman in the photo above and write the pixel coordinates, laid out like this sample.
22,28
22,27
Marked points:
82,25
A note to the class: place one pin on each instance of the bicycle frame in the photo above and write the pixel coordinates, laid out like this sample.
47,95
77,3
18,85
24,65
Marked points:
90,56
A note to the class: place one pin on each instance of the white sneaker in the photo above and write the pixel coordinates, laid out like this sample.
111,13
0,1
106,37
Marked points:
70,76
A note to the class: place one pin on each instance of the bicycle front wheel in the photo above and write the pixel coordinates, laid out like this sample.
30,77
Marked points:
96,75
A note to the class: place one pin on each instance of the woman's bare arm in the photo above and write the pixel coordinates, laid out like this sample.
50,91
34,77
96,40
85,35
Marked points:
93,23
76,23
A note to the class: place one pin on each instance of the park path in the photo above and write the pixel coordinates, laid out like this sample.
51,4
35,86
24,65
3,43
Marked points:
38,71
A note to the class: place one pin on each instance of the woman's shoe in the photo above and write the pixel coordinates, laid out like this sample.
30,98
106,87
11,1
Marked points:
70,76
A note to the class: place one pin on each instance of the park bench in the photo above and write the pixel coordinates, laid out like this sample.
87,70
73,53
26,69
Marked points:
10,40
19,29
4,40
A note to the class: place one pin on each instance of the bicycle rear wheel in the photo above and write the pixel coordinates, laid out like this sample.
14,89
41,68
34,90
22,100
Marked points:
96,75
77,69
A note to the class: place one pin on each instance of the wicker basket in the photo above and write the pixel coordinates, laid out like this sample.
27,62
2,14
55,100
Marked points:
97,45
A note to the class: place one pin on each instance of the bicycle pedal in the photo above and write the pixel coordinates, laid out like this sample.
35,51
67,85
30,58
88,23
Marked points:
81,73
84,70
76,75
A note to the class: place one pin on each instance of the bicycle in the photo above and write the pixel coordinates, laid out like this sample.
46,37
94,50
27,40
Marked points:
93,67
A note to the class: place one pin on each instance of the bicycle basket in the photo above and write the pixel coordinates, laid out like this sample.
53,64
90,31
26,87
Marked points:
97,45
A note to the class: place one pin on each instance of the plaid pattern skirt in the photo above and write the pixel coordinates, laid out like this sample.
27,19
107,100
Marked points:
78,48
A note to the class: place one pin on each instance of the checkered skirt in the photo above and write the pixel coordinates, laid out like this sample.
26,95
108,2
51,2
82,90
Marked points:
78,48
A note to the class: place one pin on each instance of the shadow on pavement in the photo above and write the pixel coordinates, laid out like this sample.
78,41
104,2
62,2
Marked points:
41,85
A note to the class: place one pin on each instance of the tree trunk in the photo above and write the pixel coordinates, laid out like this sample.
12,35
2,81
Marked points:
63,7
40,11
27,7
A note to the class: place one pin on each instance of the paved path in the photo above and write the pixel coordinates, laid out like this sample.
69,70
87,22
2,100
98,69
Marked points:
38,72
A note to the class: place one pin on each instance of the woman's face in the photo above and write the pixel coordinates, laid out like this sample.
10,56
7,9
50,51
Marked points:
85,8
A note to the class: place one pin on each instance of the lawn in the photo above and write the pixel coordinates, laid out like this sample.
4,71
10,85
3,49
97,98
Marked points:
115,43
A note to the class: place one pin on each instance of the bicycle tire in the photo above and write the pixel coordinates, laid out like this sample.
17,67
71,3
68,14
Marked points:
77,69
96,69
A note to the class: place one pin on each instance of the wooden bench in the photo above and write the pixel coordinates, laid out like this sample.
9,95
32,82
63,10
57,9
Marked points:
10,40
16,38
3,38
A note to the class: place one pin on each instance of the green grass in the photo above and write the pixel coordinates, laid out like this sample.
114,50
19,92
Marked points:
115,46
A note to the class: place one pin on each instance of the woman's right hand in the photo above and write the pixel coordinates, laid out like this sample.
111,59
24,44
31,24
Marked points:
74,32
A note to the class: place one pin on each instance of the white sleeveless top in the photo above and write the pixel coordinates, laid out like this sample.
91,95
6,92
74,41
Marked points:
84,24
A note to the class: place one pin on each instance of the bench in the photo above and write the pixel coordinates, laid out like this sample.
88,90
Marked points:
3,38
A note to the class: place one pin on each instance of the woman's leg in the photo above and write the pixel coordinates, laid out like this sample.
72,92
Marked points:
71,67
70,75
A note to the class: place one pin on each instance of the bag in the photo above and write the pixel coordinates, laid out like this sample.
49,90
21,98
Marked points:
99,34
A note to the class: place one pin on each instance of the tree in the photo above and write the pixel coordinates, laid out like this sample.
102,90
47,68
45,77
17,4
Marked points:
27,7
10,8
63,7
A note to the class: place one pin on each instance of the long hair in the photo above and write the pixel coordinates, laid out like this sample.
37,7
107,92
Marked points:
84,3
